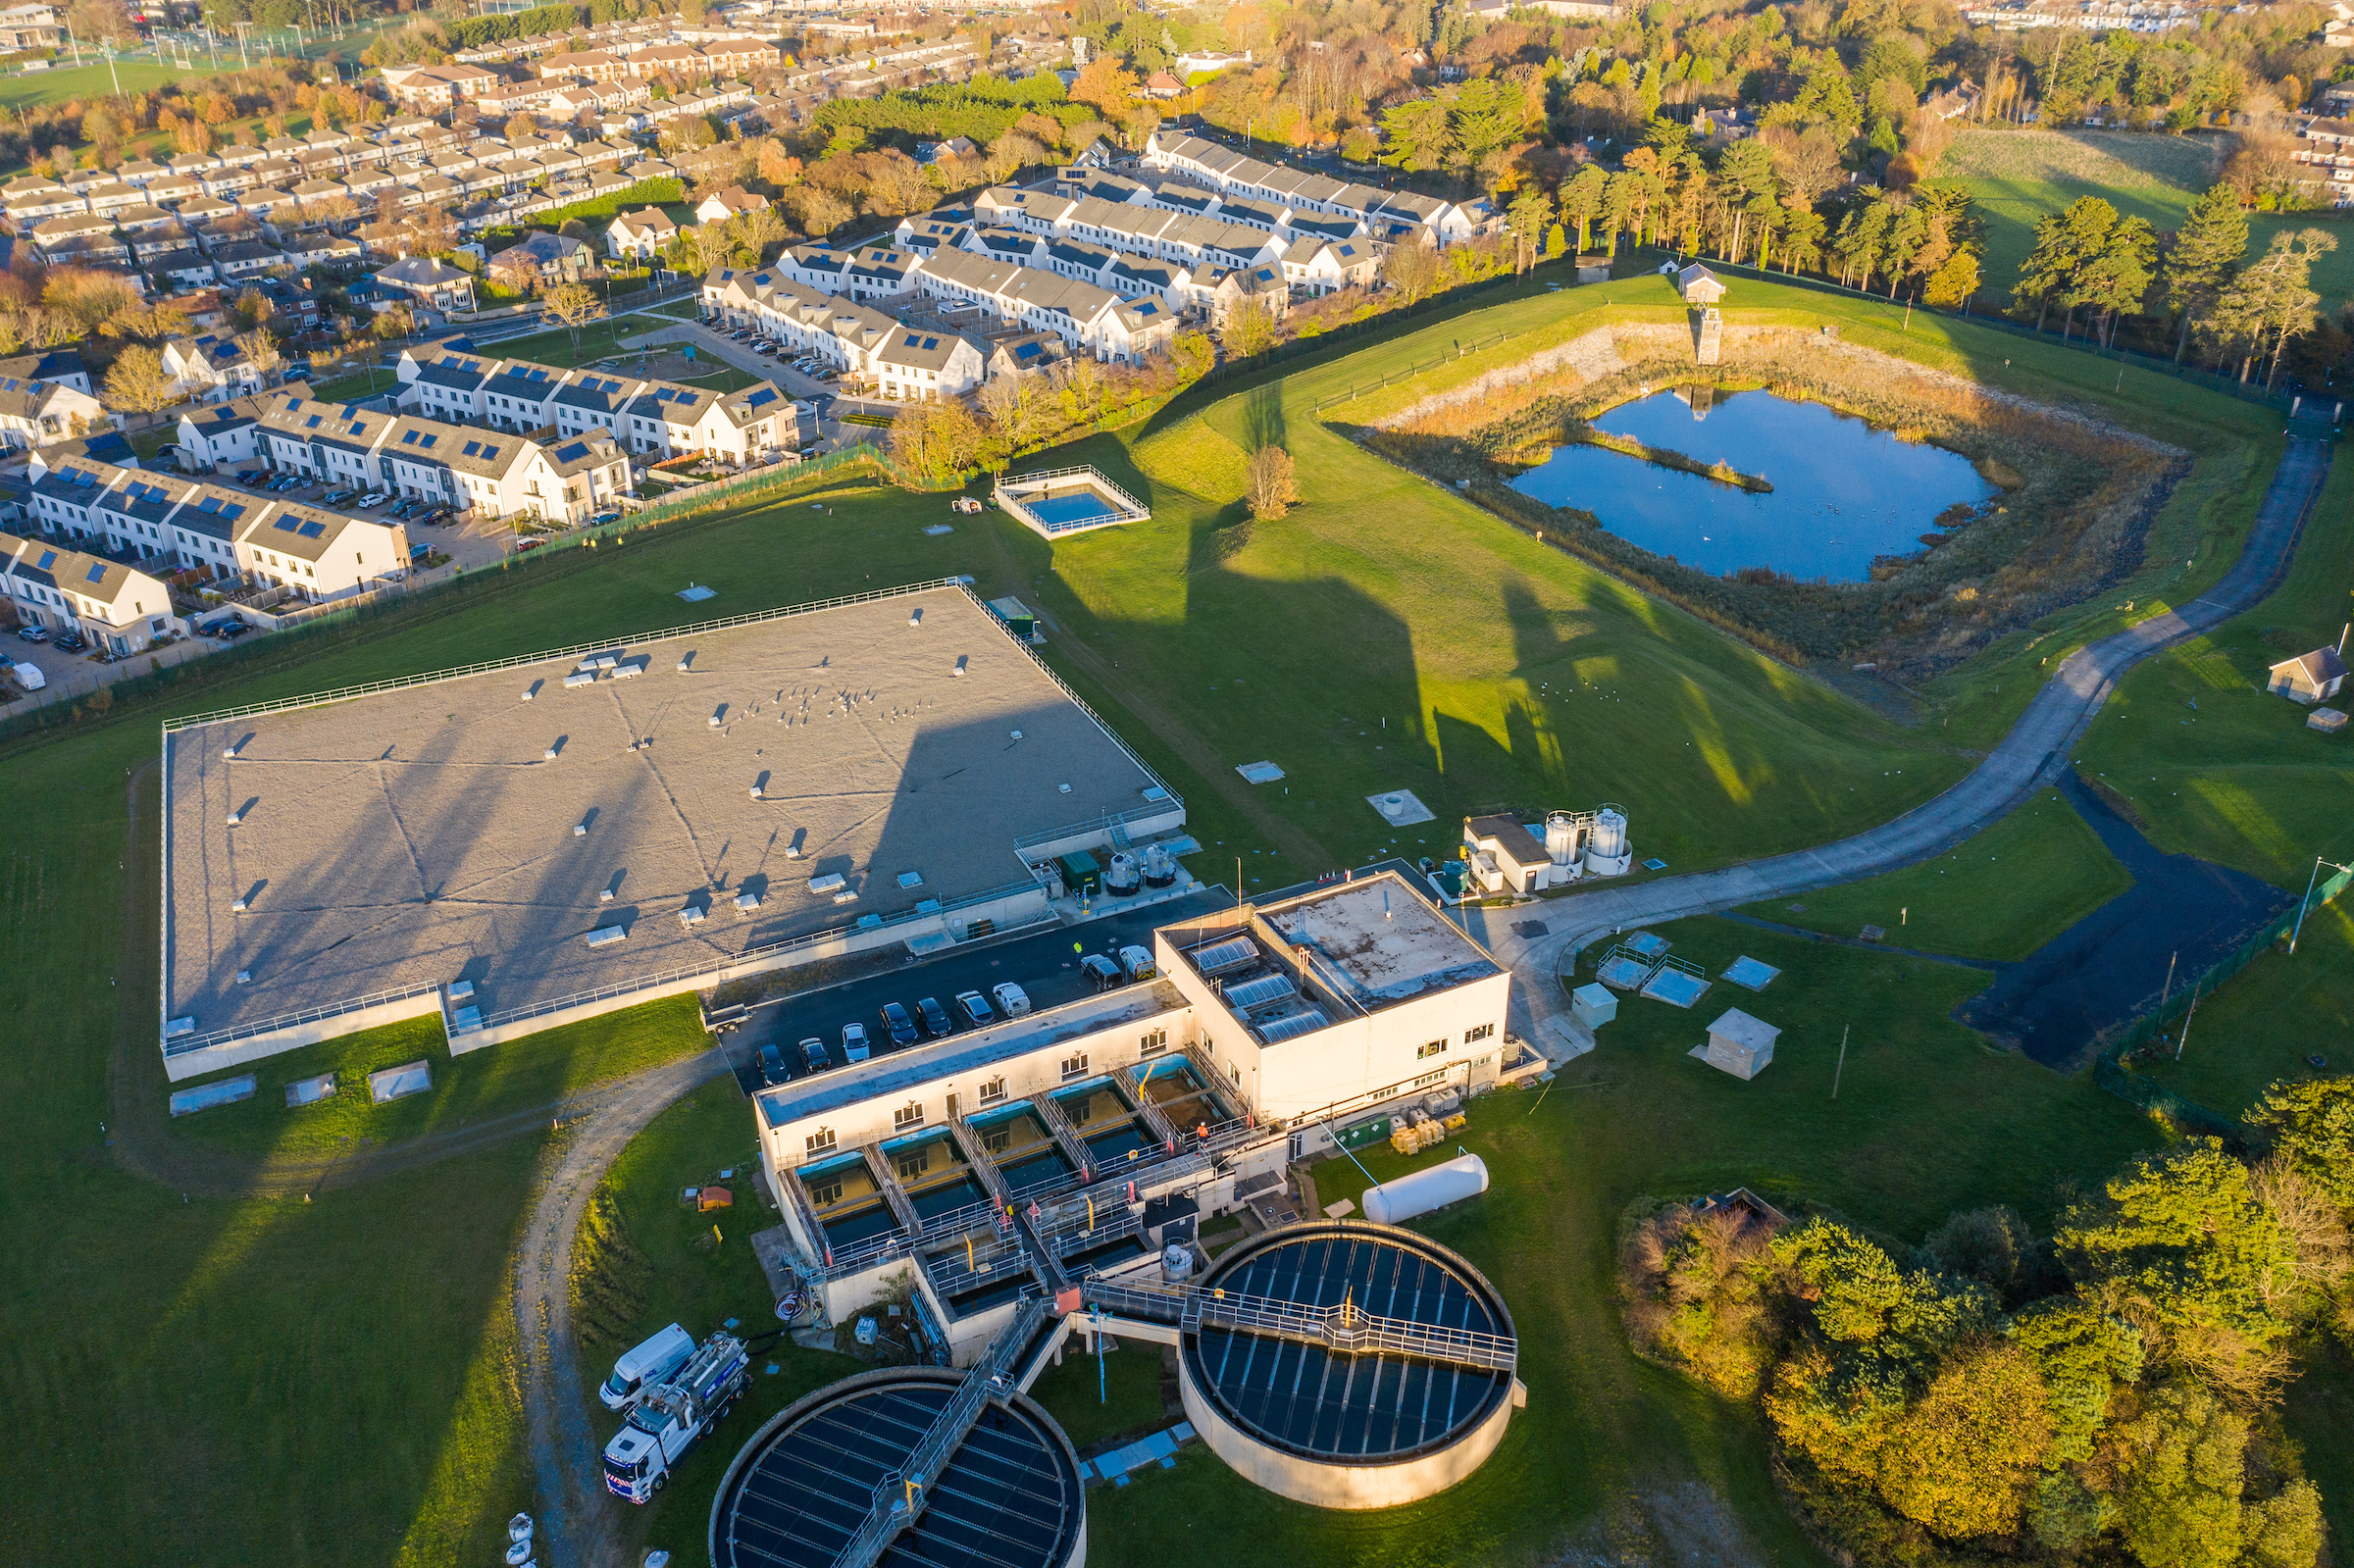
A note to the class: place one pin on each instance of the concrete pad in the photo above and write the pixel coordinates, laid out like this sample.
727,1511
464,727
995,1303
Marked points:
1399,808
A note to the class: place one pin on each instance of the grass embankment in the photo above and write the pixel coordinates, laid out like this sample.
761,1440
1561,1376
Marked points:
1091,1405
2263,1023
1610,1448
2238,779
2001,894
2016,177
645,1260
521,1075
348,1361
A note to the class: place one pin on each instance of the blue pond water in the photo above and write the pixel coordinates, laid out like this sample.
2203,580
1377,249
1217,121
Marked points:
1843,492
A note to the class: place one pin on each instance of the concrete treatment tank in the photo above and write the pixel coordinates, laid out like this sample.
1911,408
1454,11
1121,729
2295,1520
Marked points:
1432,1188
1008,1494
1350,1365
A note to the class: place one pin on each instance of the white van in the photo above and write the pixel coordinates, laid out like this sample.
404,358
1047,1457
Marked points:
28,676
1012,1000
1138,962
646,1365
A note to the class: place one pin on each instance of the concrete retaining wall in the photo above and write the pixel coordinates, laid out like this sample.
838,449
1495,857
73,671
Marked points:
238,1052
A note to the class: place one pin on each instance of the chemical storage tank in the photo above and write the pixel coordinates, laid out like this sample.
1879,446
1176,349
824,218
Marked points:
1607,852
1560,838
1121,878
1348,1365
1432,1188
1161,869
1009,1494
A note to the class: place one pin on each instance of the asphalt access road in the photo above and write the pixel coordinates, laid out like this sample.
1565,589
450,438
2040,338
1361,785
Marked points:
2055,1004
1045,966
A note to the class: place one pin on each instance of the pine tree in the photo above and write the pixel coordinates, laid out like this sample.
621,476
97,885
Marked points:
2207,252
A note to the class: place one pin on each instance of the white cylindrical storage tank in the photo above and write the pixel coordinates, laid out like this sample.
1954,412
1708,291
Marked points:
1121,878
1560,838
1609,833
1433,1187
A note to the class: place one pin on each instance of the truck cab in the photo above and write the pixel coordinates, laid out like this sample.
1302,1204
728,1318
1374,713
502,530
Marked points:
643,1366
674,1415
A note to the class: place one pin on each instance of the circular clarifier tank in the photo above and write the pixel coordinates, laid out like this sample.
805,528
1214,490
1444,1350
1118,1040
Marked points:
1007,1496
1348,1365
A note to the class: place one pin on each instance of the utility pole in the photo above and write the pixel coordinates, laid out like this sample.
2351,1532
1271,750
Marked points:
108,47
2306,901
1841,1069
243,60
2183,1039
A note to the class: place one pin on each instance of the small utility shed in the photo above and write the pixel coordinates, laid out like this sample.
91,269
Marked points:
1739,1044
2309,677
1698,286
1593,1005
1506,856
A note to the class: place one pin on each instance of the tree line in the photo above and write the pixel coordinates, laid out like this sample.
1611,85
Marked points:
2107,1392
2197,285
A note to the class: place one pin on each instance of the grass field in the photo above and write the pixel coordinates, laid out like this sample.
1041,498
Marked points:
1092,1406
2002,895
2018,175
468,1088
90,83
2212,764
347,1361
2264,1022
1928,1120
662,1258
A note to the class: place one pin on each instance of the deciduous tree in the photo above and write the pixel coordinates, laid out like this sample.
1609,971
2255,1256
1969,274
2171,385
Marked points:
139,383
1269,487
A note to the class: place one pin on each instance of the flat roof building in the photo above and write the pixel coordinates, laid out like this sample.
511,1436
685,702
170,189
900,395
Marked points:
575,834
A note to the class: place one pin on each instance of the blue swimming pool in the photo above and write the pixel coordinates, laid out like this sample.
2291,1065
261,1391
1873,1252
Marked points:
1070,509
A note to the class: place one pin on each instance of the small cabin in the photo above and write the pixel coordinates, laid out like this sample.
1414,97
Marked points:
1699,287
2308,678
1739,1044
1593,1005
1506,857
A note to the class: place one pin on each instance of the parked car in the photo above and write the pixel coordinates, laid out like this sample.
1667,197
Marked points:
336,497
1102,969
371,501
251,476
404,508
1011,999
772,1064
418,552
33,633
235,630
70,642
898,1023
531,544
934,1017
975,1009
813,1055
854,1047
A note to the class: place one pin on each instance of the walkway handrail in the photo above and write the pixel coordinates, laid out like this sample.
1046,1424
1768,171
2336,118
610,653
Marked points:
901,1497
1346,1329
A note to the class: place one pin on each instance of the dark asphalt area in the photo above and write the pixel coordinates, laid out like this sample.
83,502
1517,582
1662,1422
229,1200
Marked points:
2056,1005
1046,965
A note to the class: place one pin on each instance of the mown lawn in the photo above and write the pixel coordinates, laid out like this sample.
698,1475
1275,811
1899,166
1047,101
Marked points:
1928,1120
347,1363
2001,894
1094,1399
2211,763
93,81
2263,1025
656,1261
520,1075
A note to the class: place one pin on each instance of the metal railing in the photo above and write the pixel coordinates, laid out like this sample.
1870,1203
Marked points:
977,1159
603,645
1066,1136
309,1015
1346,1329
895,1196
1113,824
901,1497
1146,1105
1088,471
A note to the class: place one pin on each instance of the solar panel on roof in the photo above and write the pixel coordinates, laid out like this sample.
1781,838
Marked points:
1229,954
98,572
287,524
311,530
48,560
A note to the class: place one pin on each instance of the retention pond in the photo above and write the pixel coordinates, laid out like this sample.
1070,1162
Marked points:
1843,492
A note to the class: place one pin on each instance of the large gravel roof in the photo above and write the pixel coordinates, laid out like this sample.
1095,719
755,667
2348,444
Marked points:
423,836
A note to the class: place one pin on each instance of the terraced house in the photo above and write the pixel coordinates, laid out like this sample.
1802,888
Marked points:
118,608
501,476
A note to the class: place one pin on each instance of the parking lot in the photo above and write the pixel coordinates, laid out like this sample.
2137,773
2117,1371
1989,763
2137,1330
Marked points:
1047,967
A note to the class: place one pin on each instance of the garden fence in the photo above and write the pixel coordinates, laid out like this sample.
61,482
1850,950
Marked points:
2114,1072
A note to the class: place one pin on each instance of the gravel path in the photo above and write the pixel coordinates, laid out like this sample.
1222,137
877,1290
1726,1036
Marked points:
2035,749
577,1522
